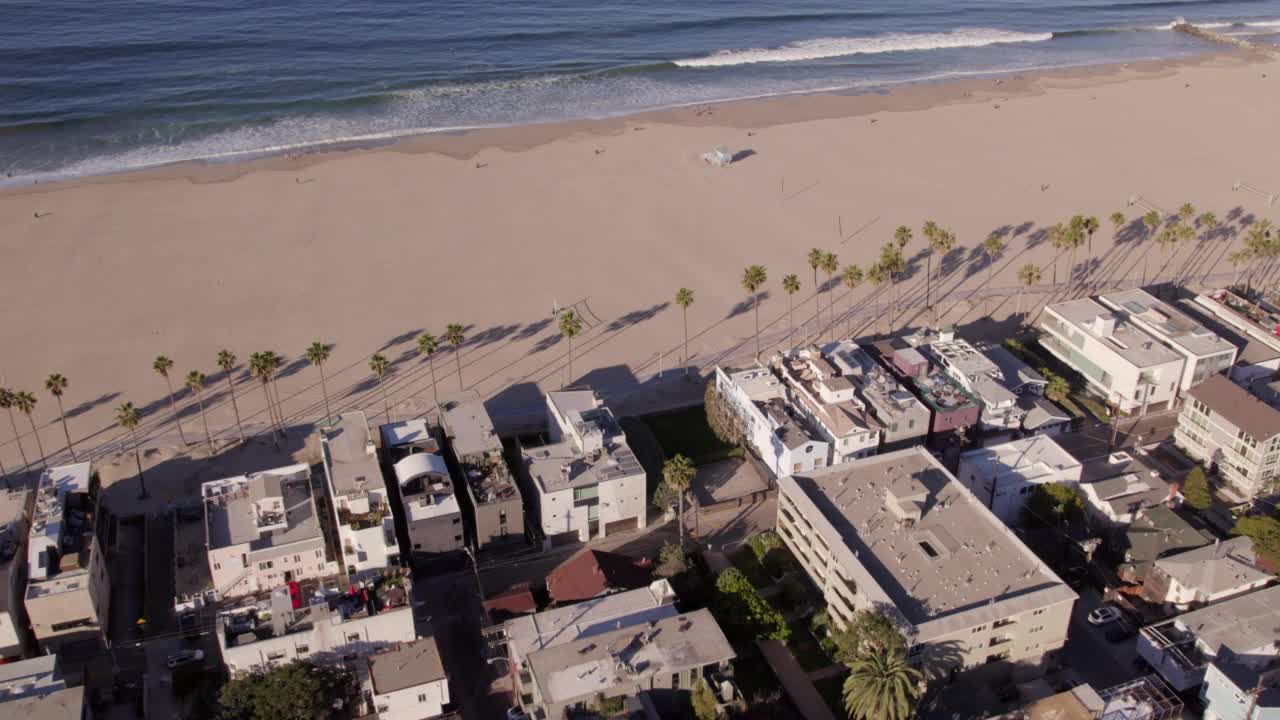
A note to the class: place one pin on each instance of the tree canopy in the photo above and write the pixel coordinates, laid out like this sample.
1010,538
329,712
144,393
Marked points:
1195,489
296,691
870,631
1054,504
704,702
739,605
881,686
671,560
1264,531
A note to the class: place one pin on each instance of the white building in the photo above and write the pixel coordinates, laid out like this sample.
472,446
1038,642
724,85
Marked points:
1205,575
407,681
612,646
977,374
1234,691
366,527
1228,427
1118,487
588,482
431,511
68,592
1122,363
262,531
322,625
770,426
1003,476
13,542
1205,353
35,690
1243,630
897,533
903,418
830,403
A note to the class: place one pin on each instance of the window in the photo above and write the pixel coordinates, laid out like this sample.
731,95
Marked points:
1038,612
422,697
798,467
502,517
319,553
586,493
928,549
266,565
275,655
71,624
911,423
417,546
978,629
353,637
217,566
457,521
303,649
1037,628
297,558
383,708
675,681
457,538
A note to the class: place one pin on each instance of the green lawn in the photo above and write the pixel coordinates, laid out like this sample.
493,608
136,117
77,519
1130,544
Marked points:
1094,407
686,432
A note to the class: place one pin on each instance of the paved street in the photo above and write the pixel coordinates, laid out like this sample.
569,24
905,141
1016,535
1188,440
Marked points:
1096,660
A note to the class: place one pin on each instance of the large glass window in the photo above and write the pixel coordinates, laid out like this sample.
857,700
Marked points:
586,493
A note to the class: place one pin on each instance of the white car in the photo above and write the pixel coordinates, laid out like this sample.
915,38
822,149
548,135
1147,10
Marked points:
185,657
1103,615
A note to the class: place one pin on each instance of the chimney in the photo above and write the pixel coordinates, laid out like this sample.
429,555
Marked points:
1104,324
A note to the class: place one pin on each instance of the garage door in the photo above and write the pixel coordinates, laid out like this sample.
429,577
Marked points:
619,526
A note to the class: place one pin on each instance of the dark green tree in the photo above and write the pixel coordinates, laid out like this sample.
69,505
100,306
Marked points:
1195,489
296,691
881,686
671,560
739,604
704,702
870,631
1053,505
1264,531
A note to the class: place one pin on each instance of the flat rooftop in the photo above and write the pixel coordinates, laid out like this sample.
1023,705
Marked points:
1242,624
1261,321
841,418
942,393
1166,322
352,460
1030,457
468,425
64,704
405,666
13,531
629,655
232,518
1127,340
411,433
1013,371
956,557
62,516
759,383
550,628
888,396
561,466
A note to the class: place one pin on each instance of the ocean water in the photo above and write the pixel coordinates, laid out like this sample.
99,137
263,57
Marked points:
97,87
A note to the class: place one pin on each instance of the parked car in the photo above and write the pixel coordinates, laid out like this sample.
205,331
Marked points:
1104,615
184,657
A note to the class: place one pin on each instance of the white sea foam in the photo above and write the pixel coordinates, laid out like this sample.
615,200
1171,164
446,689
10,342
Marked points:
1220,25
820,48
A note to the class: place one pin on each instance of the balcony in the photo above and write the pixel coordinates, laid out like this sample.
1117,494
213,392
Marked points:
998,641
1003,623
362,521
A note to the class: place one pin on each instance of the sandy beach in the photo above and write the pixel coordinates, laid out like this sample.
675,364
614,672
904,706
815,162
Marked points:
367,248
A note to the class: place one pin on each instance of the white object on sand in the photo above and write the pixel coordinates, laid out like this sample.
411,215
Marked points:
720,157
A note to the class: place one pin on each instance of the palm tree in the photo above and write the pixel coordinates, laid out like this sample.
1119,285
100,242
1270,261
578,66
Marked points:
1057,388
453,334
195,383
56,384
852,278
814,259
1186,212
830,265
940,240
318,354
273,363
162,365
1152,221
1091,226
678,473
26,402
570,327
1028,275
684,298
260,367
992,247
753,278
791,286
378,365
1118,221
227,361
427,346
1238,259
1072,239
127,418
877,276
7,400
893,264
881,686
902,236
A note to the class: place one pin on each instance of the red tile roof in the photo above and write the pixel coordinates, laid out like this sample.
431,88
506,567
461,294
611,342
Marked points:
510,603
591,573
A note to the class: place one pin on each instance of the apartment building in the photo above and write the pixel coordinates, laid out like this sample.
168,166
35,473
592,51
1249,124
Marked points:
775,432
897,533
1226,426
14,509
976,373
35,690
358,497
1205,575
1244,631
574,657
407,681
829,403
68,591
263,531
904,419
1204,353
1121,363
587,482
496,507
432,514
951,407
1004,476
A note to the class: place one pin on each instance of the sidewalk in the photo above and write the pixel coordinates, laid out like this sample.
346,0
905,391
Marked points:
795,680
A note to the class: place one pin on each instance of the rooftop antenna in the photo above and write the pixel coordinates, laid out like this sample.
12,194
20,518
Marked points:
1241,185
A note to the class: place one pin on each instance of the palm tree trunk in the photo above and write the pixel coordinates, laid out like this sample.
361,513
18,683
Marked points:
275,389
681,520
457,358
18,440
173,407
848,321
685,312
137,456
62,414
928,279
1019,307
431,365
791,313
208,436
569,377
386,406
271,415
755,304
235,407
39,444
324,388
991,267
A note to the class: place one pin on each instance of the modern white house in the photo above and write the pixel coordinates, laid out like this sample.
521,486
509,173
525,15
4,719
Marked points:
1235,691
13,585
896,532
407,681
68,592
262,531
1205,575
1205,354
1243,630
770,425
431,510
358,497
1003,476
1120,361
1228,427
903,418
587,481
818,392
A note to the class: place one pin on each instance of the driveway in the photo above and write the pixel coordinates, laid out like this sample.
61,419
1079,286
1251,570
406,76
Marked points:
1099,662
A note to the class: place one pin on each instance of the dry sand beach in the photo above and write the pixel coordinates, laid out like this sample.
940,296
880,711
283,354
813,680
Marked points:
367,248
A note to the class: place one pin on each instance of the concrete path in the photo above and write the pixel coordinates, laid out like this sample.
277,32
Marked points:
796,682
